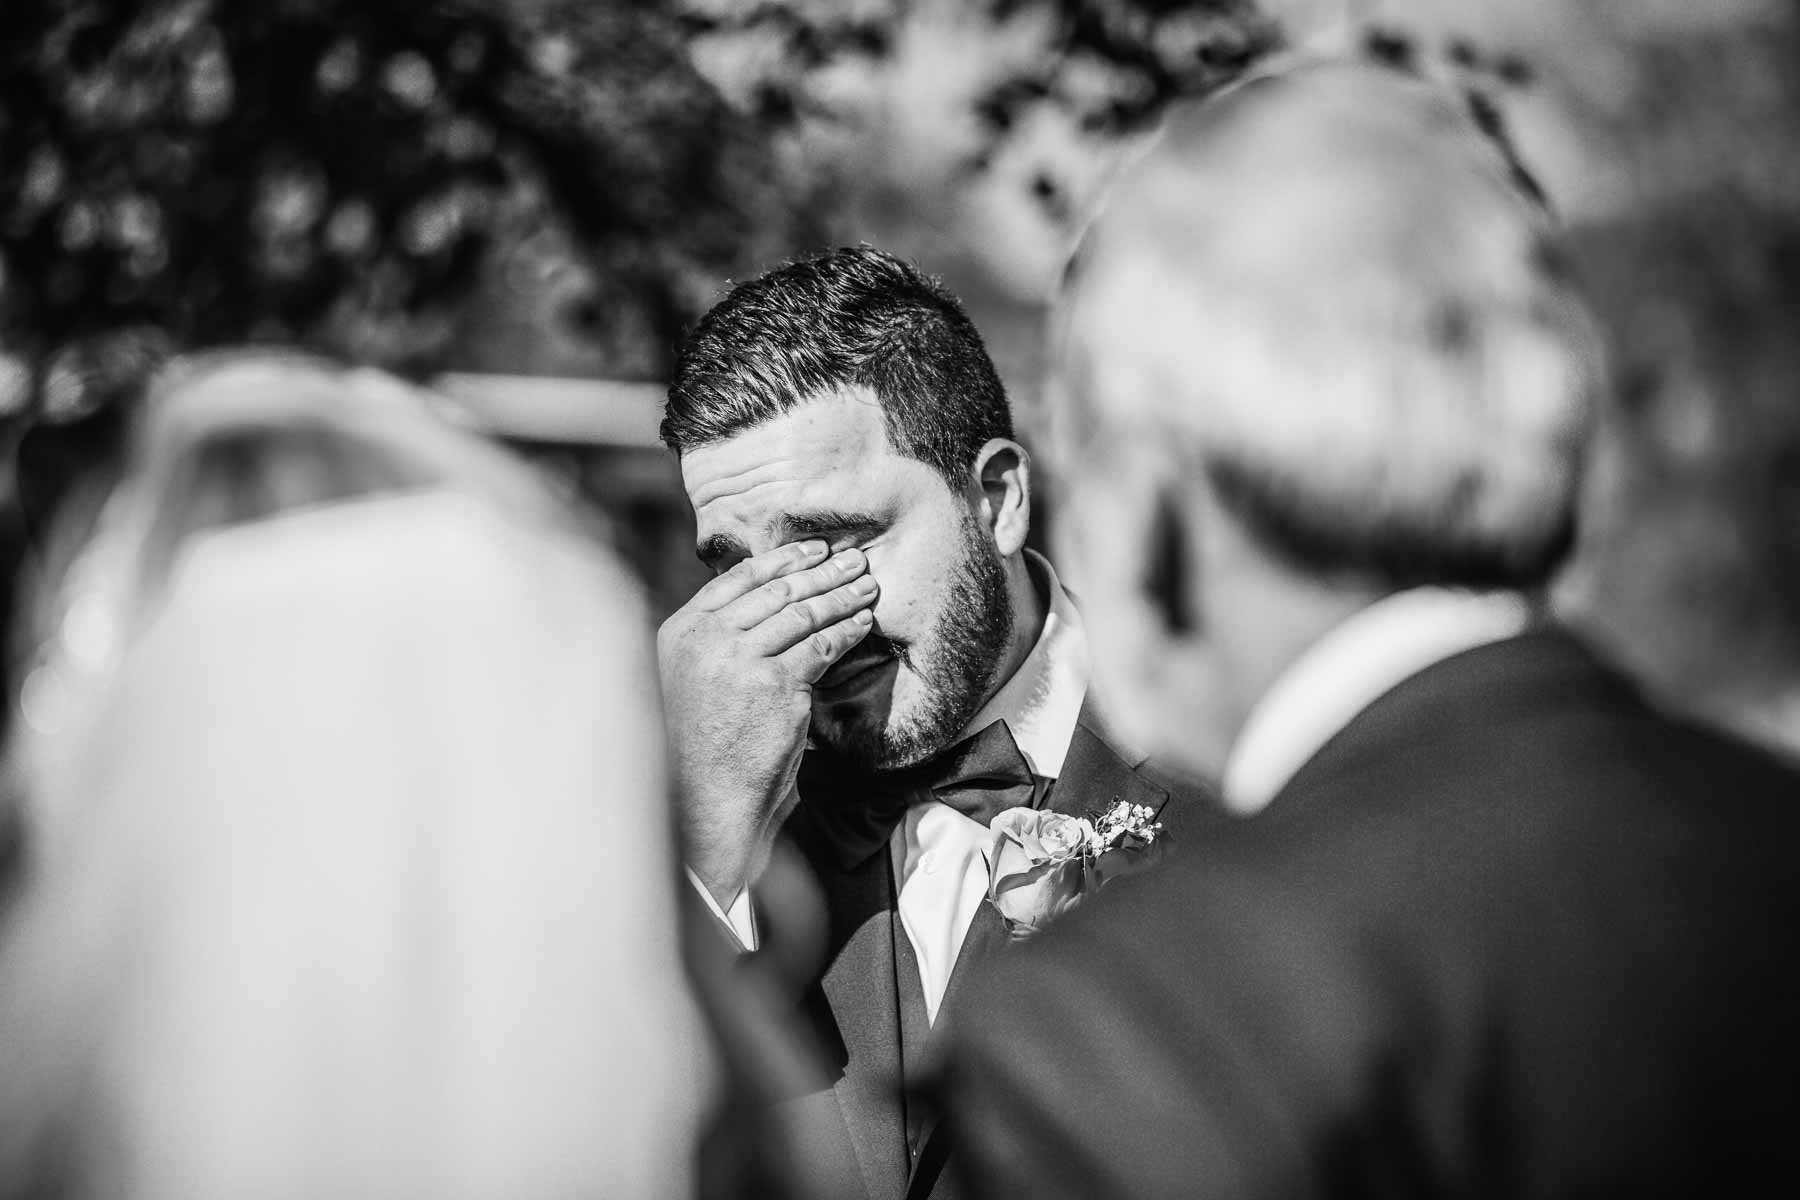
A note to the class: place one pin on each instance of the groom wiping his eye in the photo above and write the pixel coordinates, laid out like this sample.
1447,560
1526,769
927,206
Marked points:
878,667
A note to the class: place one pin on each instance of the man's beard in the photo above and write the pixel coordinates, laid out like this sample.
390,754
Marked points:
957,669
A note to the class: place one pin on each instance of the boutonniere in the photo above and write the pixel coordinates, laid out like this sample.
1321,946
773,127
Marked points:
1040,864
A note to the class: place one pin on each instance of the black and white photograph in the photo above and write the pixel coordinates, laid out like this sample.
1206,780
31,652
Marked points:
899,599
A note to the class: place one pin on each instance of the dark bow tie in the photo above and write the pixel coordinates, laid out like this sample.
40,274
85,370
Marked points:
856,811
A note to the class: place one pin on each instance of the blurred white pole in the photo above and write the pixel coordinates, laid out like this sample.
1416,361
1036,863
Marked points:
604,412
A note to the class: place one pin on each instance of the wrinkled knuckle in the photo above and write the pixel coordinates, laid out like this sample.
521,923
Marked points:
810,614
791,624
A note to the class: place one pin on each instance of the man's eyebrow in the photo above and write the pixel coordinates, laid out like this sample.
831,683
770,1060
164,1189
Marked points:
827,522
720,546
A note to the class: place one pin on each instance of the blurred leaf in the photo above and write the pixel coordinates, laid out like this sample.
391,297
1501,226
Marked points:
1150,52
338,172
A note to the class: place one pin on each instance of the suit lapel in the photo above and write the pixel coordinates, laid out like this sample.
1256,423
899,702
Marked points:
915,1024
1095,776
859,990
859,994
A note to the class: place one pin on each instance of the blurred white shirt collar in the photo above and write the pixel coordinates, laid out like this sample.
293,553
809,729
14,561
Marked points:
1350,668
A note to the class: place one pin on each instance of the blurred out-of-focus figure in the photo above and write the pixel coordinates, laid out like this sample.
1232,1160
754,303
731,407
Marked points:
1492,925
348,868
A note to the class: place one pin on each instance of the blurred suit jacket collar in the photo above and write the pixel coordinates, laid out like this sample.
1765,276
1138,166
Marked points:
1351,667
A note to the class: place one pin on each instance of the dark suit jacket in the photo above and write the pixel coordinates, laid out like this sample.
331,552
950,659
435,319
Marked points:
1510,933
857,1133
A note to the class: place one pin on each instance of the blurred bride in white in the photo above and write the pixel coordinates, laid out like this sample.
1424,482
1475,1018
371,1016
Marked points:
348,867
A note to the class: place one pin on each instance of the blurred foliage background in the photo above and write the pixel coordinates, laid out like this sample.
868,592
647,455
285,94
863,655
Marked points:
385,180
536,187
497,188
190,173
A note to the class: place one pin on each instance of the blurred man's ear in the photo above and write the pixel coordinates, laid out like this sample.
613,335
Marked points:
1133,545
1168,578
1139,530
1003,472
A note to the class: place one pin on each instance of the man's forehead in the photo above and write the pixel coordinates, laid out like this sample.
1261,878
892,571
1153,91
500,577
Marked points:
838,434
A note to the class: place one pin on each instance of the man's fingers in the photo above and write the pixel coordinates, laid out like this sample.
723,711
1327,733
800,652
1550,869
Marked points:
802,618
813,655
752,573
761,603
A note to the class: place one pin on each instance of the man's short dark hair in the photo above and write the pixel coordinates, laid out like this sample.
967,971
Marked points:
853,317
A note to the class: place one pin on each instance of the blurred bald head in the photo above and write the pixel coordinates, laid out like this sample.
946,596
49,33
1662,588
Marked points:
1329,291
1316,349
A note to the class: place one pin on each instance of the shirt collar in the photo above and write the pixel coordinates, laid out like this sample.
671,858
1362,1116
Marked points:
1041,701
1348,669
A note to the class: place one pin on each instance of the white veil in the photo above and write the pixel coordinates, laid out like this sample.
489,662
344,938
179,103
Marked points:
352,871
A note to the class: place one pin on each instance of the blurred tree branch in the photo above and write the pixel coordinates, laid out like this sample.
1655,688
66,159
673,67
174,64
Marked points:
1115,63
188,173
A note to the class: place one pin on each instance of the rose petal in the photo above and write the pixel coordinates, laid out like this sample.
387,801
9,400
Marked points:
1030,899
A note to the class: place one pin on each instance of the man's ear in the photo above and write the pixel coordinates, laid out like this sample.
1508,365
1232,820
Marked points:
1137,530
1002,471
1169,569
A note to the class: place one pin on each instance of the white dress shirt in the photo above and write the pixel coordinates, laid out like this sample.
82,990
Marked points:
943,854
1350,668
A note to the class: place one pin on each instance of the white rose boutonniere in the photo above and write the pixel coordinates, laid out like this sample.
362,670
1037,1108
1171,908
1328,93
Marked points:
1040,864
